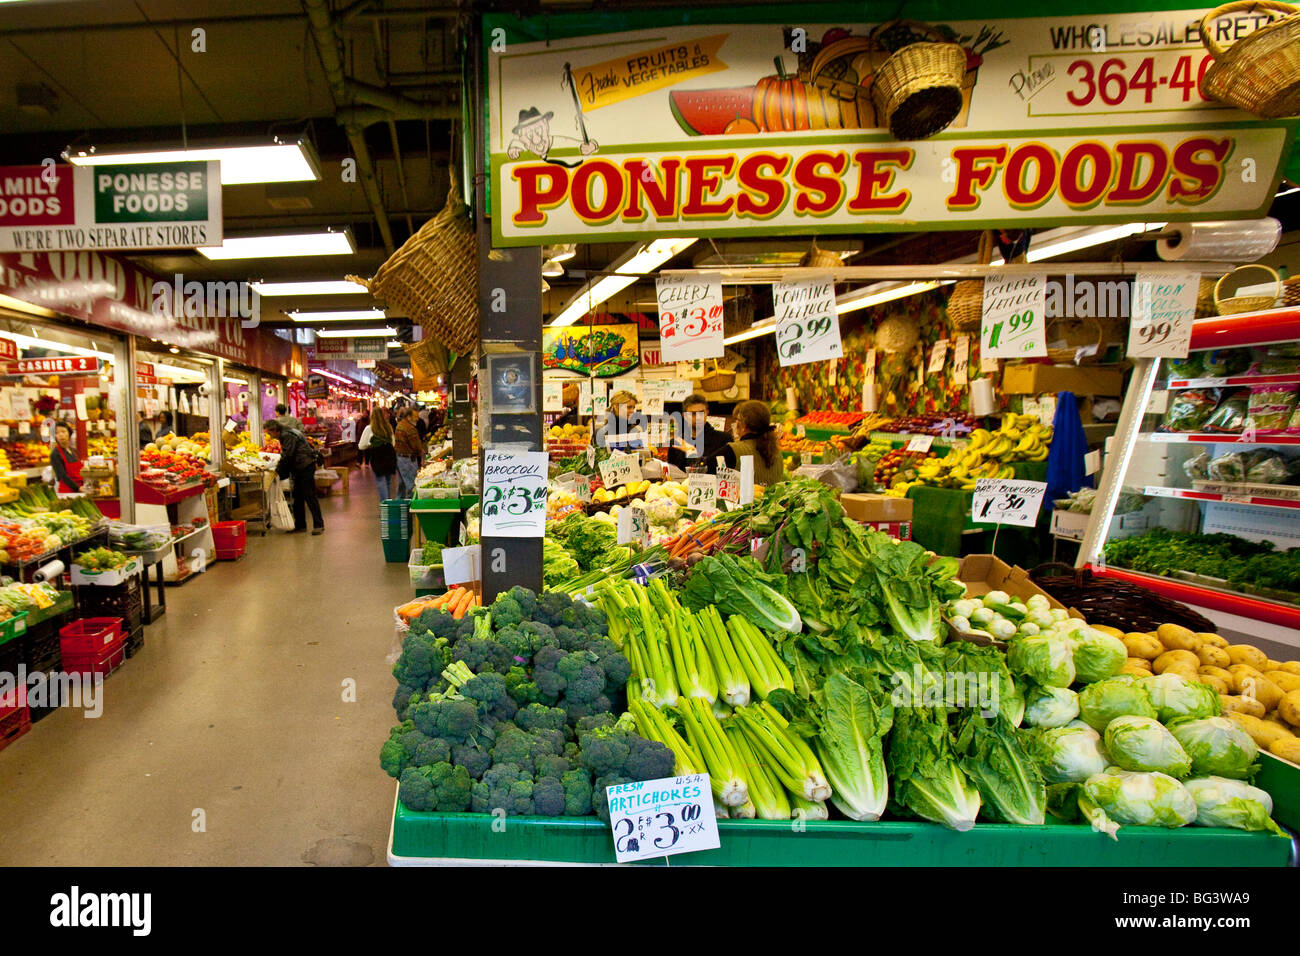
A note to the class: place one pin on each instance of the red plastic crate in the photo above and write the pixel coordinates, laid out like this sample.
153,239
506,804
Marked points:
13,724
230,538
90,636
104,662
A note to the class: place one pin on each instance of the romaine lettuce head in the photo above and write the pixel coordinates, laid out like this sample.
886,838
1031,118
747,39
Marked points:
1046,660
1097,655
1143,743
1066,754
1141,798
1221,802
1174,696
1102,702
1216,745
1051,706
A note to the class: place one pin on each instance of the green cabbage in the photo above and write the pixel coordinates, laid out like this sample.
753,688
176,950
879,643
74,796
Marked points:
1141,743
1174,696
1140,798
1051,706
1216,745
1102,702
1230,803
1066,754
1047,660
1097,655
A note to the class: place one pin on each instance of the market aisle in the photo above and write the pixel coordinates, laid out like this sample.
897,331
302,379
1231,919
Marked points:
234,707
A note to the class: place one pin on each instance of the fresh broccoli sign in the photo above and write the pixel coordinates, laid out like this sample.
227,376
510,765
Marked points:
662,817
514,494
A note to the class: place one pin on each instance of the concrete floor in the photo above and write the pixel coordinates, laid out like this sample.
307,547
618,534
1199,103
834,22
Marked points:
235,707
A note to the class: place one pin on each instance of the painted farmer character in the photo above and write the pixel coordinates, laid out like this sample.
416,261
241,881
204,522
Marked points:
533,134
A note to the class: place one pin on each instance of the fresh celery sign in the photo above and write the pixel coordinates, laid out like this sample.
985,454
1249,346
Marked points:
662,817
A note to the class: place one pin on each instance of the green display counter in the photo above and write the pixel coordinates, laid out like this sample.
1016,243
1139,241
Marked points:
418,839
940,516
1282,781
437,517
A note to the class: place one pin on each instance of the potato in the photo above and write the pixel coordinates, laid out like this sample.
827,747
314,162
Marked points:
1271,665
1218,683
1169,658
1286,748
1142,645
1288,708
1141,662
1241,705
1240,671
1251,683
1276,721
1284,679
1222,673
1261,731
1175,637
1246,654
1107,629
1215,656
1135,670
1184,670
1291,667
1215,639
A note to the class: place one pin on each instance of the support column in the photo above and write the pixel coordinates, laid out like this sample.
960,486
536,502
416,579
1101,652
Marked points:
128,434
460,412
255,408
217,412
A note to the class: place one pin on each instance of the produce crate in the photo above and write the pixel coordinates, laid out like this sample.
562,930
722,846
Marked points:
50,699
14,722
439,838
61,606
134,642
231,537
108,578
11,654
102,662
90,636
40,645
428,576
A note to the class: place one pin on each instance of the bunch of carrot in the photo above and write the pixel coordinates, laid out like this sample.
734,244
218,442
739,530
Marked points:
457,601
699,537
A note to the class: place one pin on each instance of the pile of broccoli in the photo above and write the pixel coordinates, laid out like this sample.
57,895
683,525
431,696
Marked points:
512,707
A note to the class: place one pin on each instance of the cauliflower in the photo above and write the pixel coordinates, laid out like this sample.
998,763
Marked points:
663,512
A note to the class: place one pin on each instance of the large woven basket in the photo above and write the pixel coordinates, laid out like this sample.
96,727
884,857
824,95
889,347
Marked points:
966,304
917,92
1070,354
1259,73
1236,304
1291,292
819,258
1120,604
433,278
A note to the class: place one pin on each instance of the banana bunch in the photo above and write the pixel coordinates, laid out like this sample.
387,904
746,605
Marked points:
960,469
1021,438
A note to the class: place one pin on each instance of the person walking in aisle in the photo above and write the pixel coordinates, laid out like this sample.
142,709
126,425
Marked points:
410,452
363,422
755,437
288,421
377,442
144,430
298,461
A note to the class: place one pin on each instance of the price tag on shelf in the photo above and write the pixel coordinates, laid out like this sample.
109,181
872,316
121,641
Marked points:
807,325
462,565
514,494
24,428
677,390
988,366
1007,501
938,355
591,456
701,492
961,360
22,404
1044,409
619,469
1012,324
1236,499
665,817
577,485
800,431
652,398
1164,306
1092,462
552,396
729,484
690,316
920,443
633,527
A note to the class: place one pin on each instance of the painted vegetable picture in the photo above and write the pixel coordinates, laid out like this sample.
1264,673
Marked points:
602,350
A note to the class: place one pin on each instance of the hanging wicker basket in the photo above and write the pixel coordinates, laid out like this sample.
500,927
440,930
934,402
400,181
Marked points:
917,91
966,304
1069,355
1259,73
1205,308
719,380
1236,304
433,278
1291,292
818,258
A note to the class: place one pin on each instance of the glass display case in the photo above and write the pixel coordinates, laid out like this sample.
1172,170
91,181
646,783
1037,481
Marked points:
1212,444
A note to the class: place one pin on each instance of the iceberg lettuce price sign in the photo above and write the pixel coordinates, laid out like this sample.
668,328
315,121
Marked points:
662,817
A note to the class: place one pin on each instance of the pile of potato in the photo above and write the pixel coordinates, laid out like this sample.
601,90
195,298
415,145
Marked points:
1260,694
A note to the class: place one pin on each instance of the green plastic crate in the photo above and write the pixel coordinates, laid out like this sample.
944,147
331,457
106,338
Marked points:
14,627
1282,781
62,605
419,838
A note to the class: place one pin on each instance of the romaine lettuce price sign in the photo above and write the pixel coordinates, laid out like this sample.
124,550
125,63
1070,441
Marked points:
662,817
1012,325
1007,501
514,494
619,469
702,492
690,316
1163,309
807,325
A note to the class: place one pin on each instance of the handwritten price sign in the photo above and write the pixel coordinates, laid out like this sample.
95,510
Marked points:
633,527
1012,325
514,494
690,316
729,484
1164,306
662,817
619,469
1007,501
702,492
807,325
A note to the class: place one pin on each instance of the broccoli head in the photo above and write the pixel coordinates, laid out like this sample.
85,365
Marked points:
648,759
570,639
504,787
577,793
488,691
474,759
520,687
539,716
572,753
551,607
599,799
402,699
576,710
587,724
604,751
548,797
420,663
437,786
436,622
506,611
392,757
415,790
540,634
453,720
423,751
484,656
586,684
521,644
526,599
549,765
545,674
611,660
513,746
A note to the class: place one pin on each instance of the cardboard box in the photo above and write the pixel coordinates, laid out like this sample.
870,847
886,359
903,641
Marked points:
874,508
982,573
1037,379
1071,525
902,530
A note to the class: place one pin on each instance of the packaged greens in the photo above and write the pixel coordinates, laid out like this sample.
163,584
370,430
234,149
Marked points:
1217,363
1293,426
1198,468
1189,367
1188,410
1271,407
1266,468
1230,415
1229,467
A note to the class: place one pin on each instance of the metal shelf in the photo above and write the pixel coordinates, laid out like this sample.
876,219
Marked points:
1211,439
1157,491
1233,380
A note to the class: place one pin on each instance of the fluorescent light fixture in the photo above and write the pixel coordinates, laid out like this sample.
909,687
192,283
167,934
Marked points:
764,327
272,247
249,163
328,374
32,342
309,287
353,315
394,344
1060,242
880,292
354,333
637,261
552,269
234,381
1287,192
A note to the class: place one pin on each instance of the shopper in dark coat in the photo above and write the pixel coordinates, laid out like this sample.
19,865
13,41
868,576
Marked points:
699,442
298,461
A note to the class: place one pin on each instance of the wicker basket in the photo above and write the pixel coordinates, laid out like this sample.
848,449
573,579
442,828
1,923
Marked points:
818,258
1235,305
1259,73
1291,292
966,304
719,380
1069,354
1205,308
917,92
1119,604
433,278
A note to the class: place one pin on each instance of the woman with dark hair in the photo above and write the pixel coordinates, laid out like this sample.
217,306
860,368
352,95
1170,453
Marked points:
756,437
64,460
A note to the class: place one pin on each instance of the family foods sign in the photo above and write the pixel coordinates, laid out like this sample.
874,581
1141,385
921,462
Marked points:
157,206
764,128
